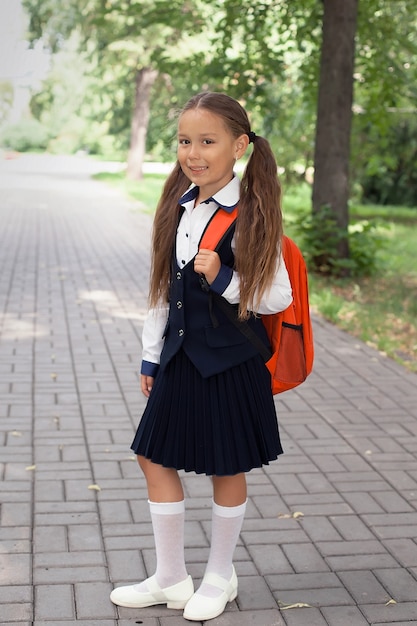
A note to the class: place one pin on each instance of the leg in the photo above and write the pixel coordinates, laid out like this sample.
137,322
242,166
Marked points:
164,484
229,490
219,584
229,505
170,584
166,501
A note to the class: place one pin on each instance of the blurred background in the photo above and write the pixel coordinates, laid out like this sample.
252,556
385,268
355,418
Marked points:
332,84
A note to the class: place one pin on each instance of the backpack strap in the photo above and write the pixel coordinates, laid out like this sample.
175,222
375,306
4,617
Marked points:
216,231
242,326
218,228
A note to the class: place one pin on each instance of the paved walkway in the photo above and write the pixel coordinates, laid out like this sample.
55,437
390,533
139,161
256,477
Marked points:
330,537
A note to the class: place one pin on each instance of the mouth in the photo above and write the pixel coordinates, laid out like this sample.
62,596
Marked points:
197,170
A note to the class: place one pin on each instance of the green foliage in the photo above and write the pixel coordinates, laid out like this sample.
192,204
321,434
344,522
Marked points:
386,167
379,310
366,241
407,215
385,58
27,135
321,237
323,299
383,164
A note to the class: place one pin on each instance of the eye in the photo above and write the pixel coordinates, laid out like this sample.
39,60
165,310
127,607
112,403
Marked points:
208,141
183,142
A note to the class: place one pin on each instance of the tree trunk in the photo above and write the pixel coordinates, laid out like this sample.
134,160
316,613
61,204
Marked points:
145,79
334,114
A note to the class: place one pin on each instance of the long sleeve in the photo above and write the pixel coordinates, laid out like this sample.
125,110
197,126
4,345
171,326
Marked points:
277,298
152,339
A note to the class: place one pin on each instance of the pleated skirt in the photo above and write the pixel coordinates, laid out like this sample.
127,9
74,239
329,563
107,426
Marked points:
222,425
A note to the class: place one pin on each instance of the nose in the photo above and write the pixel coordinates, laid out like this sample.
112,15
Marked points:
193,152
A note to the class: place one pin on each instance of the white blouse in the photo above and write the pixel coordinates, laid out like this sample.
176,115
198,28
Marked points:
189,232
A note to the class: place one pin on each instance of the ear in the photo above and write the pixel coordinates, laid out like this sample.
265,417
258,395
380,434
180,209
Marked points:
241,145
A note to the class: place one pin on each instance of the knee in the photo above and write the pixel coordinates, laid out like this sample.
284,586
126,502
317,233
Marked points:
143,463
151,471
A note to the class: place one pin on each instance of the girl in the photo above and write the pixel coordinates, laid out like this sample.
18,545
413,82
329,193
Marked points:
210,407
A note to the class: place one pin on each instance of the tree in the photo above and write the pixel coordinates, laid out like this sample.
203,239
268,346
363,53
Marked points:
6,99
137,39
145,78
334,115
323,33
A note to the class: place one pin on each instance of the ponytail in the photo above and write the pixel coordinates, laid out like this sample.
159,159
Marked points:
163,235
258,227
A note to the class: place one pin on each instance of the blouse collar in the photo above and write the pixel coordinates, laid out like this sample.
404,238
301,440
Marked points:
226,198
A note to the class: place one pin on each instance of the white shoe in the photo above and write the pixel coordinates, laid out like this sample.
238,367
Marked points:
200,608
175,597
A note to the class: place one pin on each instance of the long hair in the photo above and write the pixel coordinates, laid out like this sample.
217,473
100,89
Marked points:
259,224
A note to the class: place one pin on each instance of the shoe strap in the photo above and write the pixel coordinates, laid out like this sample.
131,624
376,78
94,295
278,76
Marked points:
155,589
217,581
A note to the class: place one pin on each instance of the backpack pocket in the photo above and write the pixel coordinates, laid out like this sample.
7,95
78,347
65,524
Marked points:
291,362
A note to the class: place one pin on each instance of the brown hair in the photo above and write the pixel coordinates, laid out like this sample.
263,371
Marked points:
259,223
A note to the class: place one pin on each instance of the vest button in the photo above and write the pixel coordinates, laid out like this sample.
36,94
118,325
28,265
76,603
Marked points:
179,304
179,275
180,332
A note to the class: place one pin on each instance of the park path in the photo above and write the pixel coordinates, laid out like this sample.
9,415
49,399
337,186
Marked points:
330,537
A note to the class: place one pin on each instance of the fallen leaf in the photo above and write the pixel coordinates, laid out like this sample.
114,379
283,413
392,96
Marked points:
54,376
392,601
30,467
294,515
16,433
94,487
297,514
296,605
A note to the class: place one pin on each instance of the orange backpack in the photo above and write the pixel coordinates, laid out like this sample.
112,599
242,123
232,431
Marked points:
290,332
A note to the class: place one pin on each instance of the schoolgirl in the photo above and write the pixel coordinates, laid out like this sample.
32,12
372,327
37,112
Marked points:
210,409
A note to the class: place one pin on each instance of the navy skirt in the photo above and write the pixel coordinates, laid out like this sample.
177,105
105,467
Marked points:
221,425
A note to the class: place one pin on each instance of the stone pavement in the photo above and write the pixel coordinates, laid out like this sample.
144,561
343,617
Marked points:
74,518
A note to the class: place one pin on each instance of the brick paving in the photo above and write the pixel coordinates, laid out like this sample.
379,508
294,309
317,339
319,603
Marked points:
74,517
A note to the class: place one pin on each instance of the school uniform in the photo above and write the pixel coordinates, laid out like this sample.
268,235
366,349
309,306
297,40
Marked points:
211,409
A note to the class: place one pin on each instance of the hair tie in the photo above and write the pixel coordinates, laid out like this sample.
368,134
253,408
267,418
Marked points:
252,136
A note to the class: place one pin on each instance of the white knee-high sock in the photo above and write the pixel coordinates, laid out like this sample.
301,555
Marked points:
225,529
168,528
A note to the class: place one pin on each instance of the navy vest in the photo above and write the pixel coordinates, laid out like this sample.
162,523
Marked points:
197,326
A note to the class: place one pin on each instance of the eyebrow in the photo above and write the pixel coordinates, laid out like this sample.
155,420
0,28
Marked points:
206,134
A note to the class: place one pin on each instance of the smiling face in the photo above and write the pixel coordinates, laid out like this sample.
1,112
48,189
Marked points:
207,150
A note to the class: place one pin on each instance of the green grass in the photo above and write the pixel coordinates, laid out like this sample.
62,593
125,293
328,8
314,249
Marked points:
380,310
146,191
